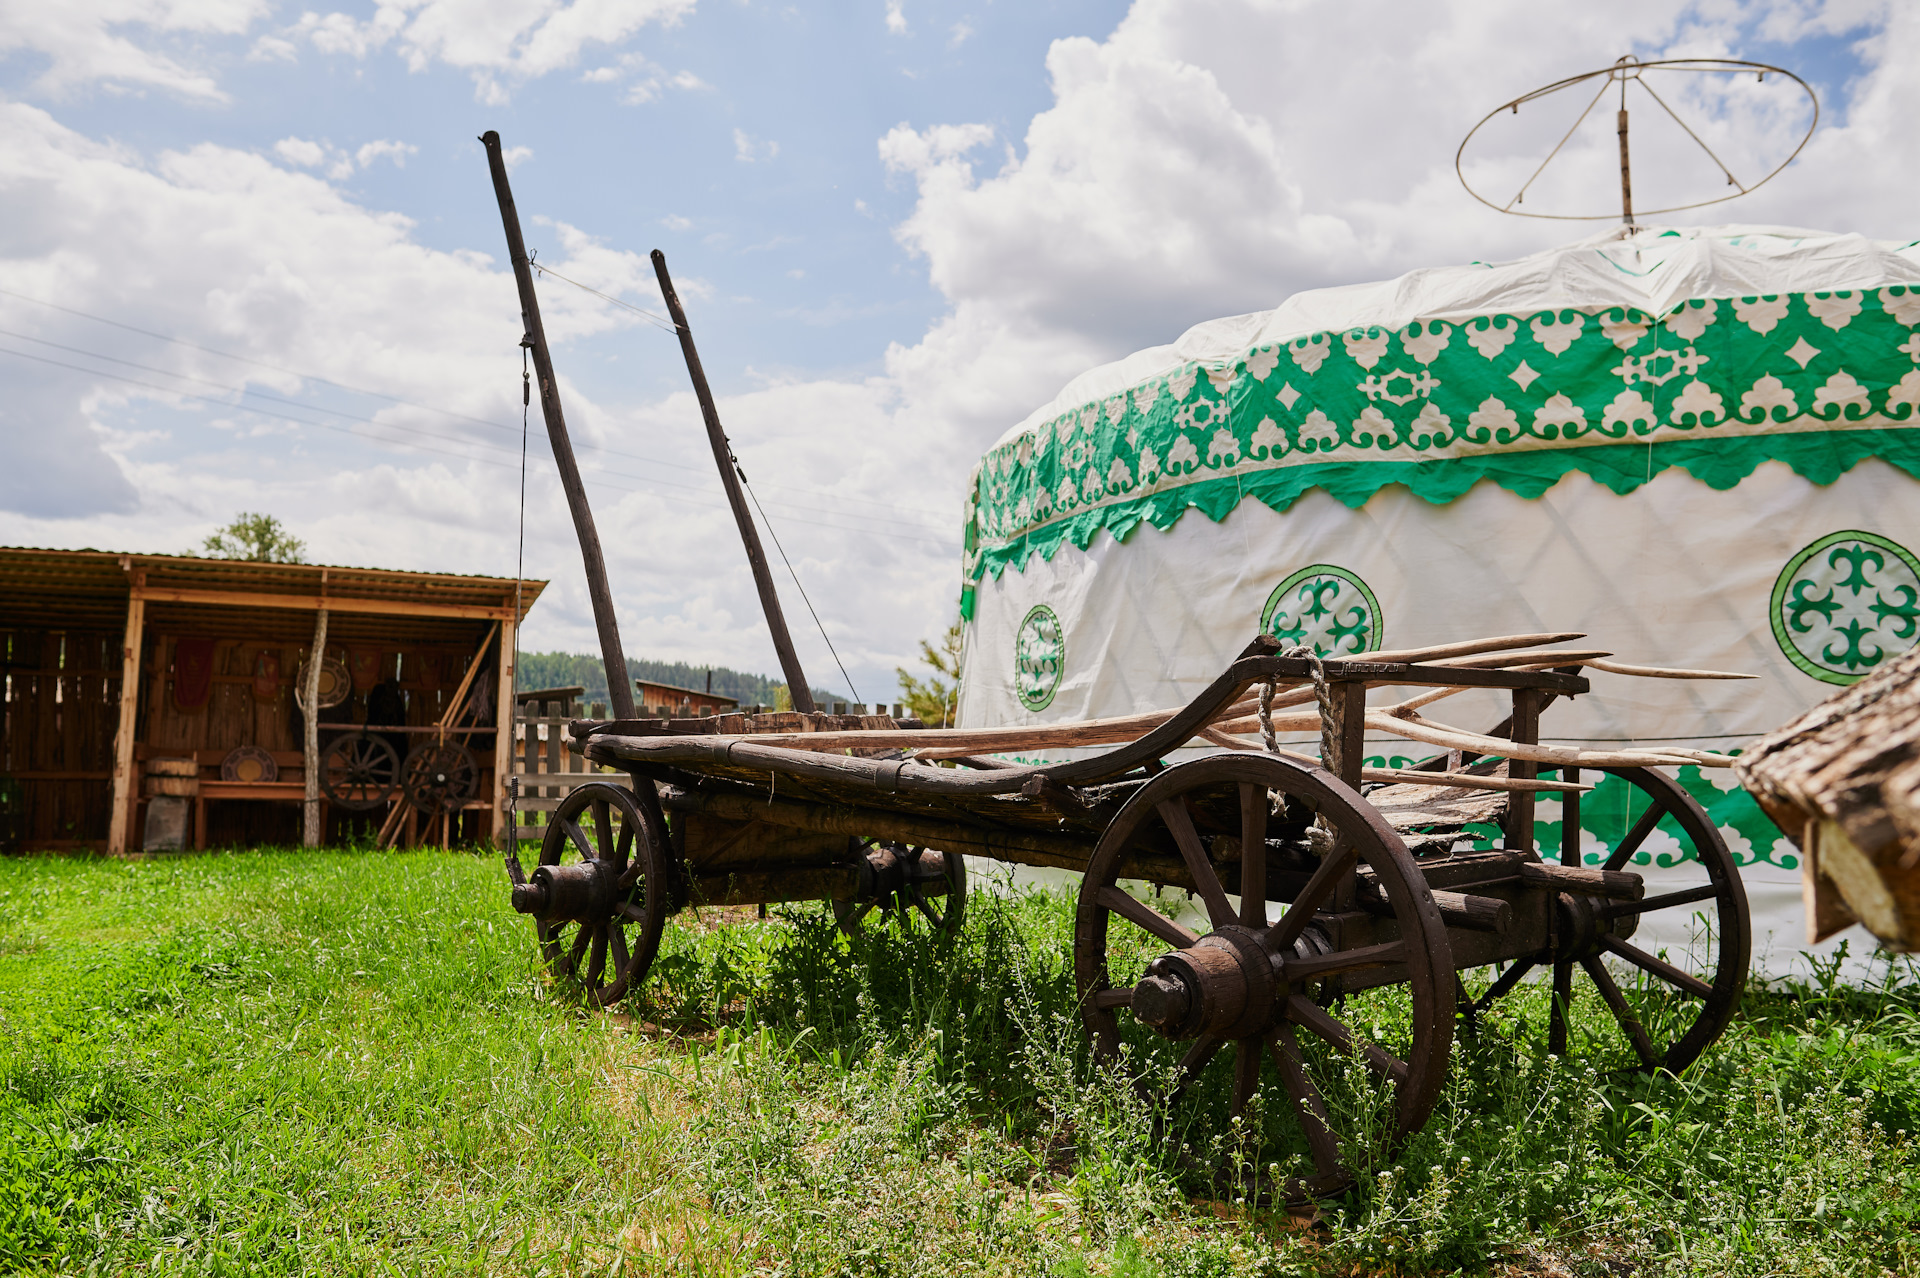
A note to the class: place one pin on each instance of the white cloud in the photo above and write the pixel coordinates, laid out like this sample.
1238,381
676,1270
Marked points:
300,151
385,149
957,35
498,44
747,148
674,222
896,19
111,41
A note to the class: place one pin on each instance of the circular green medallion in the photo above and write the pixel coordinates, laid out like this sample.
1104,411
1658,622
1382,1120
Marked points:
1039,657
1325,607
1846,603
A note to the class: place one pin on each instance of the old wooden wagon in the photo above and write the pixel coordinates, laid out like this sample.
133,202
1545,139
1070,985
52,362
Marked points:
1322,912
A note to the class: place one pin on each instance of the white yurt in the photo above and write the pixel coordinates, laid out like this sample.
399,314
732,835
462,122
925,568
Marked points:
1698,446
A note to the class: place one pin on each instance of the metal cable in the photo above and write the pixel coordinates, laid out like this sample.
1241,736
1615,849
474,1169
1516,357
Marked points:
791,573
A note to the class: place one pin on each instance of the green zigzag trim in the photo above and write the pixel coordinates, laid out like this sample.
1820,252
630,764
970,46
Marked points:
1817,456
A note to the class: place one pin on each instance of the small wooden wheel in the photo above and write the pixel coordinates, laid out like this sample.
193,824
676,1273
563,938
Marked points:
933,887
1361,916
439,776
1671,966
358,772
599,895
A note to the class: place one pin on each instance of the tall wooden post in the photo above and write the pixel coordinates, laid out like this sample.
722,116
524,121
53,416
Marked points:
503,733
120,822
619,686
724,459
310,757
1626,172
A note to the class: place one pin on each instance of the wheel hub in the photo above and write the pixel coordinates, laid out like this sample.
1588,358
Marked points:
581,891
1581,924
1223,985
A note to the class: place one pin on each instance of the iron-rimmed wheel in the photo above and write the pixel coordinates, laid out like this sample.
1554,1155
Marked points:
439,777
1359,904
359,772
1669,967
599,894
933,890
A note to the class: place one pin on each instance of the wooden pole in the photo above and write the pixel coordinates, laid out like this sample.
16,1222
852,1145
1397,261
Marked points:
310,760
503,734
619,686
120,824
730,480
1626,170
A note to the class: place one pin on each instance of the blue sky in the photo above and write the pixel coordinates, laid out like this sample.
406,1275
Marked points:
898,228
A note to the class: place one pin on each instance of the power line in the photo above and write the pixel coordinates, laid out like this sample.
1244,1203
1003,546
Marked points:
488,461
393,399
244,391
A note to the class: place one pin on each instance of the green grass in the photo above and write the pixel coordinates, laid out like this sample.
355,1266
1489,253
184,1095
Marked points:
337,1062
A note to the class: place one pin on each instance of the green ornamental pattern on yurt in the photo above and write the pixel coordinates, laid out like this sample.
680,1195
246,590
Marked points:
1717,386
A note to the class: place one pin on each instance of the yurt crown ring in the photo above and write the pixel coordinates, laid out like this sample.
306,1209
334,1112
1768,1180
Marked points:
1625,71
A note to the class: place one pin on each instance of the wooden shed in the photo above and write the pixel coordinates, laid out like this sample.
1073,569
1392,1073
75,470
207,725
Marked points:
213,649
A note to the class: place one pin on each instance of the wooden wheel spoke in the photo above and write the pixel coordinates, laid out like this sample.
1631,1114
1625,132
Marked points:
1108,999
1308,1106
1196,1059
861,911
1320,885
617,939
1504,983
1383,955
1205,882
1145,917
1656,966
1617,1004
920,902
1314,1018
598,963
580,938
577,837
602,829
1253,855
1624,850
1246,1073
1665,901
628,910
1560,1008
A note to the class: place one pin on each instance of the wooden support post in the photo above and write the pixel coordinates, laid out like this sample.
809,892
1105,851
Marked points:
1626,169
619,686
503,734
1524,728
310,758
1350,718
723,458
120,822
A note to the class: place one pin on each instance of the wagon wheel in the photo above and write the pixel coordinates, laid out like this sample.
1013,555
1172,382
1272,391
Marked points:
1261,985
439,777
599,894
935,890
1671,966
358,772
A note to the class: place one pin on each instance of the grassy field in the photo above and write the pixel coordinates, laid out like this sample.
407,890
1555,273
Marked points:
317,1063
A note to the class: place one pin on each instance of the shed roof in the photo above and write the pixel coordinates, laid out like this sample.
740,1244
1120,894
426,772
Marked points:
89,589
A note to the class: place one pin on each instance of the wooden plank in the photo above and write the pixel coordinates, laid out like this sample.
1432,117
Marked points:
503,717
333,603
132,639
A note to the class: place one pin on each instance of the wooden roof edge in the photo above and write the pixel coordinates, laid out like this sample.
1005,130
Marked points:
692,692
344,574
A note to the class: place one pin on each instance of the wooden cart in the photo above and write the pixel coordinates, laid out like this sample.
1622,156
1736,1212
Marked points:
1321,891
1311,888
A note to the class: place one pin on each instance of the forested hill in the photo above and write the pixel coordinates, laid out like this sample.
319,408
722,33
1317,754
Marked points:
565,669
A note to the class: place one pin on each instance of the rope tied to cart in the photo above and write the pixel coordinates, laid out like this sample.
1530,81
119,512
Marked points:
1323,697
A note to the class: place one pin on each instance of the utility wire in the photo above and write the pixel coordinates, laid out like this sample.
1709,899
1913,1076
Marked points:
791,573
359,390
658,321
467,457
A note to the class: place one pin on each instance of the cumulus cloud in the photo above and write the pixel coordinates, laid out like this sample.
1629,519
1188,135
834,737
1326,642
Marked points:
497,44
111,41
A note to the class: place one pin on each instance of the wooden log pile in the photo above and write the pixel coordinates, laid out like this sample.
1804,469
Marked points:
1843,782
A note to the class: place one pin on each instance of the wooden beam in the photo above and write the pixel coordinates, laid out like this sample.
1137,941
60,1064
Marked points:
310,751
120,826
332,603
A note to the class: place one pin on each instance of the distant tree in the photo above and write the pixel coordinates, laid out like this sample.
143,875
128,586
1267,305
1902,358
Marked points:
257,537
933,700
